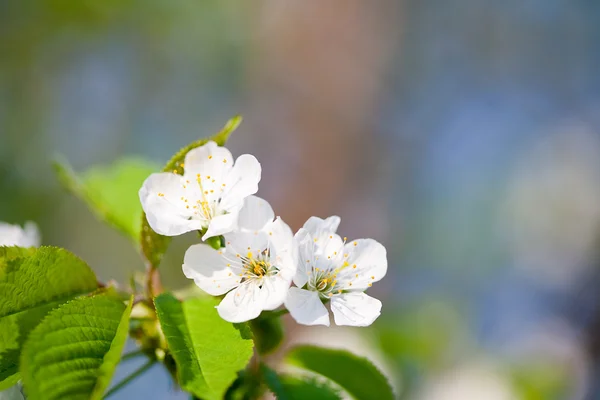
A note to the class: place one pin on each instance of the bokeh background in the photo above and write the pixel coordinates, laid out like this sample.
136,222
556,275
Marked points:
462,134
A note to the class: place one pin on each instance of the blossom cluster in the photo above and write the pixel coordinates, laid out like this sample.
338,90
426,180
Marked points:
260,256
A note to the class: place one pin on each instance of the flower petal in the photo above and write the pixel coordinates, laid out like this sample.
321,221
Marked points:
317,226
255,214
244,303
210,270
276,288
239,244
329,250
31,235
206,168
14,235
221,224
306,256
366,258
160,197
208,160
306,307
281,239
355,309
241,182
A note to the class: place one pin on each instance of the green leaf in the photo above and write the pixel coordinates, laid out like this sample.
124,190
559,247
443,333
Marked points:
154,245
111,192
208,350
268,332
73,352
357,375
33,282
286,387
174,326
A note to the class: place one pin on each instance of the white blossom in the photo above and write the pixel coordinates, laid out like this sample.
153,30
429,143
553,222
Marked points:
334,270
208,197
254,269
14,235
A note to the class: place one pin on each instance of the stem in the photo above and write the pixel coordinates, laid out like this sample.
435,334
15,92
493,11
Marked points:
129,379
133,354
153,283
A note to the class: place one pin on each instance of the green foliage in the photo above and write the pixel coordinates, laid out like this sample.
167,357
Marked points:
357,375
268,332
286,387
154,245
33,282
73,352
174,326
111,192
208,351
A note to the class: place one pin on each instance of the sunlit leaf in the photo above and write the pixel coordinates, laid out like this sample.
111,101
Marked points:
33,282
111,192
208,350
74,351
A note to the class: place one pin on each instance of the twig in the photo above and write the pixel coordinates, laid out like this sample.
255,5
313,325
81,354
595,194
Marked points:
129,379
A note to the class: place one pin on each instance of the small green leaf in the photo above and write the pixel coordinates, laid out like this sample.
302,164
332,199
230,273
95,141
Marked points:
208,350
357,375
111,192
174,326
154,245
286,387
73,352
268,333
33,282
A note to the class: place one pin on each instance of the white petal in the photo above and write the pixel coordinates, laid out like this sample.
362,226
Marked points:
370,259
241,182
306,307
244,303
317,226
241,243
14,235
31,235
329,250
306,256
221,224
166,213
255,214
206,169
276,288
355,309
281,238
209,269
208,160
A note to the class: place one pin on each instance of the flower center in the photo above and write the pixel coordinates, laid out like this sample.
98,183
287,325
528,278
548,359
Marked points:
258,267
323,281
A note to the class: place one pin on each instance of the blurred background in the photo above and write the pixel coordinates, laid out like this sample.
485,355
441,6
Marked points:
462,134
